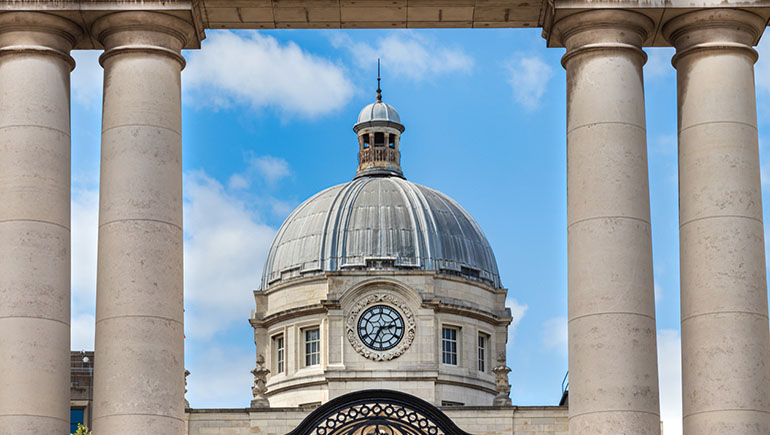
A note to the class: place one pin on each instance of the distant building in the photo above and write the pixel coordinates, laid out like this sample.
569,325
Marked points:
81,388
380,306
380,284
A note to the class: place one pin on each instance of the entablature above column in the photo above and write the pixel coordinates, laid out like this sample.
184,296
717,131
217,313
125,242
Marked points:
309,14
361,14
659,11
85,13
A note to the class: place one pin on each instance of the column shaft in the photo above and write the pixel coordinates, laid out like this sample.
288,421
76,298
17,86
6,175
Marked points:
725,339
139,377
35,70
612,336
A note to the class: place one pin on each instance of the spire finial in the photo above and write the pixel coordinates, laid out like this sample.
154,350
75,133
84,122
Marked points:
379,91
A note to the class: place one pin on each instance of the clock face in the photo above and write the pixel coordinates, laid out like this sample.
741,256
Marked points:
380,327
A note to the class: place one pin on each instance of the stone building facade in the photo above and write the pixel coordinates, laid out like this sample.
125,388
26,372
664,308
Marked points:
380,283
481,420
81,388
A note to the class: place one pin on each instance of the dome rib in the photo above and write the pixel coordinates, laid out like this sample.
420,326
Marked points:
415,222
380,223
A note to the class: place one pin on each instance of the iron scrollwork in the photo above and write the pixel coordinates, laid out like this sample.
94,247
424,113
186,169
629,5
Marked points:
377,412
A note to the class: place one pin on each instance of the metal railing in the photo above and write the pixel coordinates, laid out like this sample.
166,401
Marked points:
565,382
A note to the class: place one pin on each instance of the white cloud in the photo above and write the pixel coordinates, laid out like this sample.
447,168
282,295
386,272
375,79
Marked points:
517,311
225,248
264,170
86,79
82,332
529,76
238,182
658,292
220,376
555,334
659,62
84,227
407,54
670,380
255,69
85,231
271,168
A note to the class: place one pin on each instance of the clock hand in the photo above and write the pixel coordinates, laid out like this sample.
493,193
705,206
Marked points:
377,333
389,326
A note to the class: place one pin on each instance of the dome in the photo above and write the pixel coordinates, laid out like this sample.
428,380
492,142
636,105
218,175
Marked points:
380,223
378,111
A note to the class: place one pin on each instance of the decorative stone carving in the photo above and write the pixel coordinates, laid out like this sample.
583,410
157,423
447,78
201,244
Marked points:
409,326
186,402
501,382
260,384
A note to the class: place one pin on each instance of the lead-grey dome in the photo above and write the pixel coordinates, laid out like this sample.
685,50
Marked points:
376,222
378,111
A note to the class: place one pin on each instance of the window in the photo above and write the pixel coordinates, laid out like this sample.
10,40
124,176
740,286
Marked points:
379,139
449,345
280,352
312,347
366,141
450,403
392,141
76,417
482,352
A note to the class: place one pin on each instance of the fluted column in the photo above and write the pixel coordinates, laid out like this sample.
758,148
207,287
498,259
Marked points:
612,337
139,378
725,340
35,67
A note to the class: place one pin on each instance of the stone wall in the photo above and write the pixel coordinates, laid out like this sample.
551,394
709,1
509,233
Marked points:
482,420
326,302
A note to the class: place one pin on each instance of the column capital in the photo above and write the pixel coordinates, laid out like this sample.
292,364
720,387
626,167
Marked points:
38,32
143,31
714,29
603,29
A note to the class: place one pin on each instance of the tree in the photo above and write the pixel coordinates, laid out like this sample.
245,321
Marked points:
82,430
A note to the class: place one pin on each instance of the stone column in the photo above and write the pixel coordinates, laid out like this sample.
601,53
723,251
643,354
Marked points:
612,337
139,379
35,67
725,340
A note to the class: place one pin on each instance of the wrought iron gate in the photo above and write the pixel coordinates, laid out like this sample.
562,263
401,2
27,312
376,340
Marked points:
377,412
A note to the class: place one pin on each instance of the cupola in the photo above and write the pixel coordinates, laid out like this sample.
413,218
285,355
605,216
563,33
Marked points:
379,131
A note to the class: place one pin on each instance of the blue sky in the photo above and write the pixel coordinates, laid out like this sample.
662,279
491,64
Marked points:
267,122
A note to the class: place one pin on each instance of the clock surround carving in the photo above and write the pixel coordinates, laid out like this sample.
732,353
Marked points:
352,324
